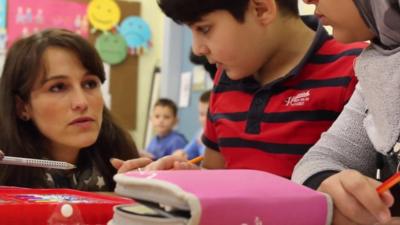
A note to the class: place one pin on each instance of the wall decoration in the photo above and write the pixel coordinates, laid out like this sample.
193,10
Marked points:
3,13
112,48
3,32
26,17
136,33
104,14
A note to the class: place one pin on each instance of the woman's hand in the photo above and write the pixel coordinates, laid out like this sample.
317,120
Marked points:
171,162
356,200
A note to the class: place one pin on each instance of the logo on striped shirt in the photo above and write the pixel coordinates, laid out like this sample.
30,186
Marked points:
298,100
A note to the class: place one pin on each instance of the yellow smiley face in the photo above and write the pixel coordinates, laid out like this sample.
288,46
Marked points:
103,14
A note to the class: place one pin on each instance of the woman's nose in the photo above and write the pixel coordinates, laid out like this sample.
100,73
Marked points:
79,100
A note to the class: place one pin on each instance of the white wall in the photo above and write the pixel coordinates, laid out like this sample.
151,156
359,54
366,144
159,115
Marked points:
151,13
305,9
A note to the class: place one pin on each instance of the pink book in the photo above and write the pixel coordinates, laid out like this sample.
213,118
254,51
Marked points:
219,197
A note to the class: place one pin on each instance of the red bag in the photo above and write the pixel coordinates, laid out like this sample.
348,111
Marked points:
56,206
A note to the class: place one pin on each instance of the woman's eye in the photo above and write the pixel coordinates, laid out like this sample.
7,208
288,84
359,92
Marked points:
91,84
57,87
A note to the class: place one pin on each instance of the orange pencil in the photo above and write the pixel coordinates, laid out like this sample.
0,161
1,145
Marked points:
196,160
389,183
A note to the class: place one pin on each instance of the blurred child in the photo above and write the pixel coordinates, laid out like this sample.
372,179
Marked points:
196,147
167,140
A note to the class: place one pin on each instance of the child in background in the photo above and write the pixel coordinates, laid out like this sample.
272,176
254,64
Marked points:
164,118
52,108
196,147
362,146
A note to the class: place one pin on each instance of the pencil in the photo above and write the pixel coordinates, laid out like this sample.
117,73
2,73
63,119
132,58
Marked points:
8,160
387,184
196,160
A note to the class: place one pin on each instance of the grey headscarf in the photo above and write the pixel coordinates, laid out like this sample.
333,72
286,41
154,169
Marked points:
383,18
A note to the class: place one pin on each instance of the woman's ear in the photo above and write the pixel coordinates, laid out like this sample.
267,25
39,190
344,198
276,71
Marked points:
22,109
265,10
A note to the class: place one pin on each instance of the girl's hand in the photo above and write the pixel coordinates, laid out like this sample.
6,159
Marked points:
356,200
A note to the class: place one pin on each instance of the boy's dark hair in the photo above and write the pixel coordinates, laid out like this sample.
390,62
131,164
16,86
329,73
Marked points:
205,96
191,11
165,102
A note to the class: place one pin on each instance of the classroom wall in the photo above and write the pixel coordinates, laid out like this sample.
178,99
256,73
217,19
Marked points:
305,9
152,14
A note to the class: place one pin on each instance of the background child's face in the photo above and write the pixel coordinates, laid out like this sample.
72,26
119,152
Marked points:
237,47
163,120
203,107
66,103
347,23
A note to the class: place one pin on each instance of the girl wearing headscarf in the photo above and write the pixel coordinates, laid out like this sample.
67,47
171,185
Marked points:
362,147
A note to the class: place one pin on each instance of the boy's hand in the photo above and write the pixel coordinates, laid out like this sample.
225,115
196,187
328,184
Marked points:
171,162
132,164
181,154
356,200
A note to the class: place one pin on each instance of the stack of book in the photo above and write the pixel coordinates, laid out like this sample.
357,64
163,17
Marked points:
217,197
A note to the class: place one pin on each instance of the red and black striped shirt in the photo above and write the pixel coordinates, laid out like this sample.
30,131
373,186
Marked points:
271,127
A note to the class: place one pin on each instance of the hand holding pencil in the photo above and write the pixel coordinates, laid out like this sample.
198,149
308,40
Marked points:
356,200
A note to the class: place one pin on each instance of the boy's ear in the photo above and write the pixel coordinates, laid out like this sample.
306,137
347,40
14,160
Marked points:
265,10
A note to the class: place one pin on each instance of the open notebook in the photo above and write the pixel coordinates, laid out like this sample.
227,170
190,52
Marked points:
217,197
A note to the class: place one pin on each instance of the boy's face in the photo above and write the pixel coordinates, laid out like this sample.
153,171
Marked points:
203,107
347,23
163,120
238,47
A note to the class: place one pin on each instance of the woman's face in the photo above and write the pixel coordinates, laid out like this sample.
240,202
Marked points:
66,103
346,21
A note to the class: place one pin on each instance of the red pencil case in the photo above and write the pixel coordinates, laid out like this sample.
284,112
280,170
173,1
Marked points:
56,206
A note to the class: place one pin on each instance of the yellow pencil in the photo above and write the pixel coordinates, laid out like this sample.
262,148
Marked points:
196,160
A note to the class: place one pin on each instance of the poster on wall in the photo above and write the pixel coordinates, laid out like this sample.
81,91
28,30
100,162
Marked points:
26,17
3,32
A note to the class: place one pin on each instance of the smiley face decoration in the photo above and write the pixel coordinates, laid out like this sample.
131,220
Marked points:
112,48
104,14
132,36
137,34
